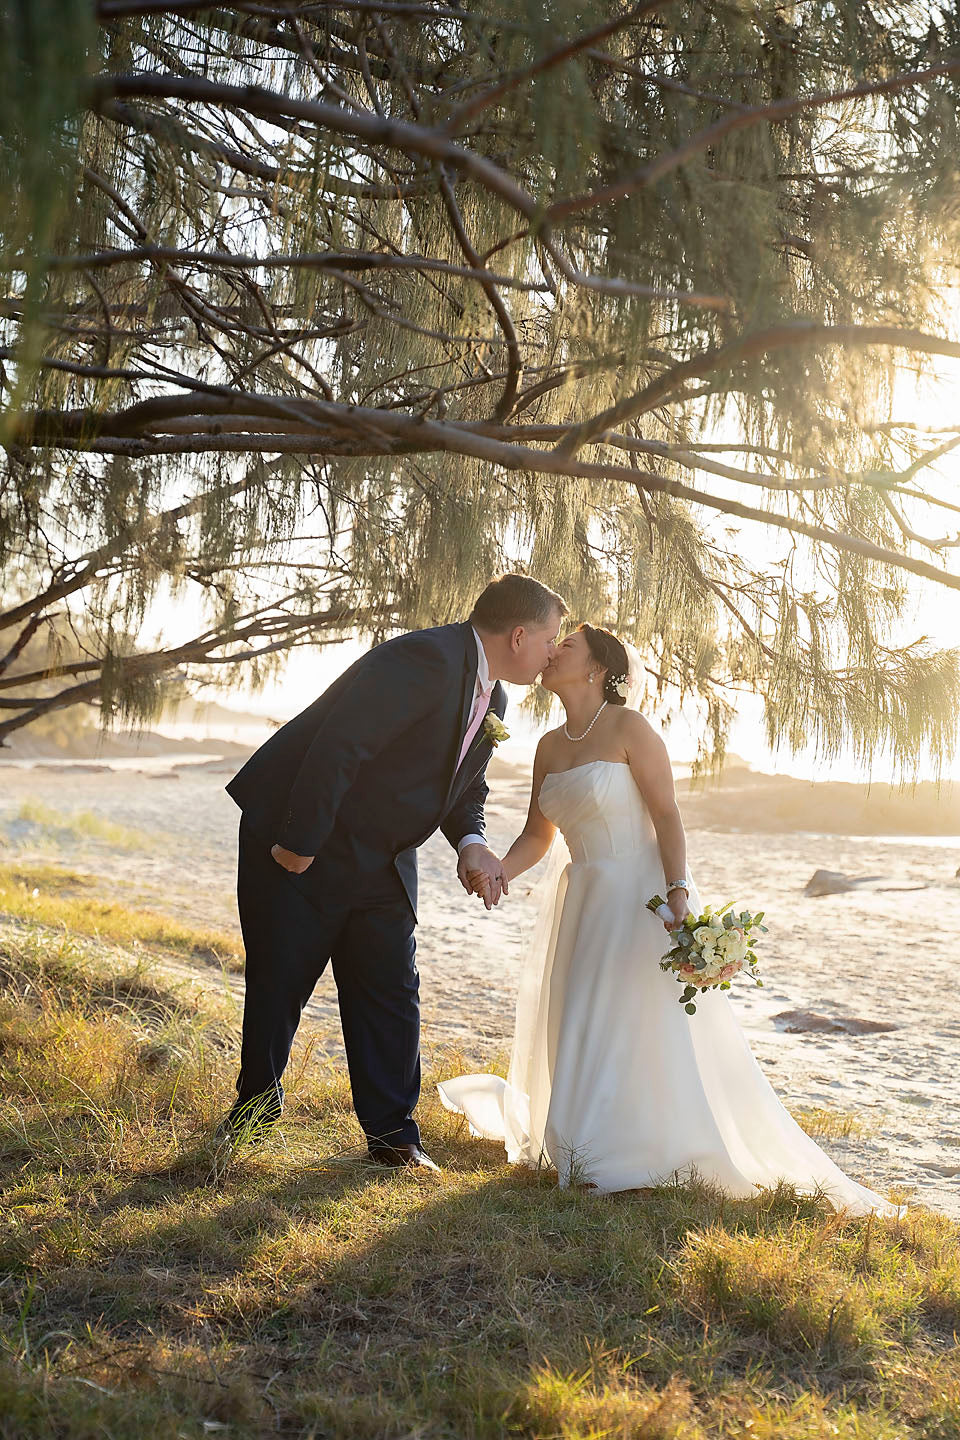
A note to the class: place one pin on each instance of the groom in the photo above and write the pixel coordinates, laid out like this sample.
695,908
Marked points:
334,807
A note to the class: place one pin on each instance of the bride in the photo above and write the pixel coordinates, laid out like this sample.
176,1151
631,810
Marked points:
610,1081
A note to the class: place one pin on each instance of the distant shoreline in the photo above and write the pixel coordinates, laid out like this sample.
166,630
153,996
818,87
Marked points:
739,800
203,760
119,750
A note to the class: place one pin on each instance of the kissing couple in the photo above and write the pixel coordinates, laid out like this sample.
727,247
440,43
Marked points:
611,1082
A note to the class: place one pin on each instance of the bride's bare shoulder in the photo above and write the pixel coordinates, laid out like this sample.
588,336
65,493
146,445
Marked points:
547,746
637,730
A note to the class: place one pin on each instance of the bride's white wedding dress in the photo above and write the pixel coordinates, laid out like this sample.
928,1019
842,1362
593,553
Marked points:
610,1080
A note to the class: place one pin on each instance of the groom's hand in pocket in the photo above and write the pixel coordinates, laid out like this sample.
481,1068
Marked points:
481,872
296,864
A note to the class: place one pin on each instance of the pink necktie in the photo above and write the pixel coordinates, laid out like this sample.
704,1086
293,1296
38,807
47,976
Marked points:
480,707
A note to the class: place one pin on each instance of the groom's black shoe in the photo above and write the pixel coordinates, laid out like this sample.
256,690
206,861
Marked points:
400,1156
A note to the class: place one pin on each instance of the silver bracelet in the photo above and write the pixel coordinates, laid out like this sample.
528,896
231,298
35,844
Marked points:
679,885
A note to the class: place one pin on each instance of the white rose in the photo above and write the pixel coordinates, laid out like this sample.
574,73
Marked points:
732,943
703,935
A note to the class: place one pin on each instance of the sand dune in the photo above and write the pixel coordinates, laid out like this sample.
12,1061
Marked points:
745,799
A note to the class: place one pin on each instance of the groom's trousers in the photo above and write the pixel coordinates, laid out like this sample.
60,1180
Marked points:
364,925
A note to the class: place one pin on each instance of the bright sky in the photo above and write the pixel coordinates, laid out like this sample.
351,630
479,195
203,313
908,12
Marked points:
935,613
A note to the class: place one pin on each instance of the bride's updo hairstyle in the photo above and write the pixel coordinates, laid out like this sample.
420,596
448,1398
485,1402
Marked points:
608,652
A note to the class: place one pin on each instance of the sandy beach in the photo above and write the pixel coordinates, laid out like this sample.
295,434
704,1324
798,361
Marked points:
830,963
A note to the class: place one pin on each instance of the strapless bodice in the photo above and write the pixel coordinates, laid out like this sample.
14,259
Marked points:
598,809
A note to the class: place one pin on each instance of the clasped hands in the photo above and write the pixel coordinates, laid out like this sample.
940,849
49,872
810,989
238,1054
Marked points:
481,873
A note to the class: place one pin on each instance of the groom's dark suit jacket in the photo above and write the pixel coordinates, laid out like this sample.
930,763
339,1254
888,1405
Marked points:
369,771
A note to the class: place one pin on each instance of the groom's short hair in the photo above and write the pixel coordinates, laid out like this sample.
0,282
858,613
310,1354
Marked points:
515,600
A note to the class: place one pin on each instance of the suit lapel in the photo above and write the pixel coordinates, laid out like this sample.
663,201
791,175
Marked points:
470,662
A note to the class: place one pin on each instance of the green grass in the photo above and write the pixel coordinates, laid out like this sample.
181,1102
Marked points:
49,895
46,824
153,1285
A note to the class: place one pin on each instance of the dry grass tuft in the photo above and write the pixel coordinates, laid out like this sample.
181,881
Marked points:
832,1124
39,824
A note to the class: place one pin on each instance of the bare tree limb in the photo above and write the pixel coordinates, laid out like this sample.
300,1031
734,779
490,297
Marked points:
746,347
558,56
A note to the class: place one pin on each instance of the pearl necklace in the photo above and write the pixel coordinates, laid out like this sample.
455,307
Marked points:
586,732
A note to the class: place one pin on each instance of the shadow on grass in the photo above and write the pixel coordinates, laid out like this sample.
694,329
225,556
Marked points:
484,1241
155,1283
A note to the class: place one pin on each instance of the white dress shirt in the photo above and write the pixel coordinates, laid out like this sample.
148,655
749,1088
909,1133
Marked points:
483,682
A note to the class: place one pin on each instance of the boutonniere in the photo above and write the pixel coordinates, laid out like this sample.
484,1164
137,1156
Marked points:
494,728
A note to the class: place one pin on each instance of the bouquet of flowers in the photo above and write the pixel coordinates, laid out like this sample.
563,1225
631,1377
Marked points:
709,949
